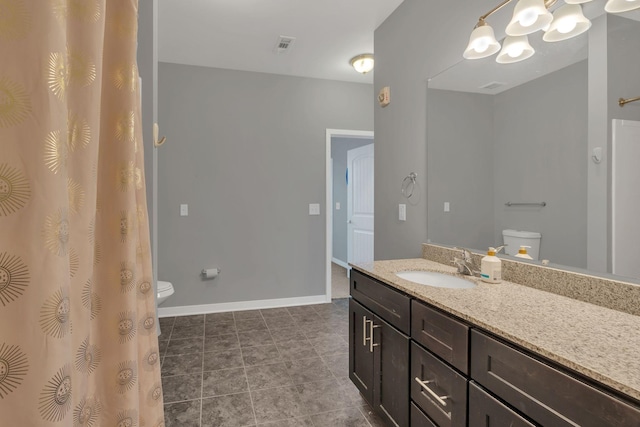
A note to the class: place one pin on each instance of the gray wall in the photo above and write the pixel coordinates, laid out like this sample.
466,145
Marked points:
421,39
339,148
409,48
460,168
540,146
623,82
147,58
246,151
526,144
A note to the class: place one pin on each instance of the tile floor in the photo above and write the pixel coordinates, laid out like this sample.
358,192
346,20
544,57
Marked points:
281,367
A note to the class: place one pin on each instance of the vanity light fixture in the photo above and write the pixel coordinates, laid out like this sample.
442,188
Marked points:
530,16
515,49
362,63
619,6
482,42
568,21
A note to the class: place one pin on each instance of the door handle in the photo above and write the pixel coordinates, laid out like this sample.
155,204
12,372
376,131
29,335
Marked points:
433,394
371,328
364,330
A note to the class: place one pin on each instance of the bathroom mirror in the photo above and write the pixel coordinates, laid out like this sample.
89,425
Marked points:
514,133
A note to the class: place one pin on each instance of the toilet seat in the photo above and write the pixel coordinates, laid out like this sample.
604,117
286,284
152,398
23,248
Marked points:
164,286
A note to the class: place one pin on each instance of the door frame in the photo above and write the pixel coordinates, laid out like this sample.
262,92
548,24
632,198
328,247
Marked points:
330,134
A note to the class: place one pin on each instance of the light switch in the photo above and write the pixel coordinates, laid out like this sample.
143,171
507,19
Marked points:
337,206
314,208
402,212
184,210
447,207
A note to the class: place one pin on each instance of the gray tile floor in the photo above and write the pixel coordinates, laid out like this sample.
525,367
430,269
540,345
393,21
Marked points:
281,367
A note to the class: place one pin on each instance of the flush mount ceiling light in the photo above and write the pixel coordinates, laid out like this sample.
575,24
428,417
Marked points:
530,16
568,21
515,49
362,63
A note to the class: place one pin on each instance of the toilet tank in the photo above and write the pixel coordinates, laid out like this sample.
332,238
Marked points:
513,239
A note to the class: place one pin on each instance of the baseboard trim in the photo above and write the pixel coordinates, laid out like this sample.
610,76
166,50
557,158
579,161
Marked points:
341,263
187,310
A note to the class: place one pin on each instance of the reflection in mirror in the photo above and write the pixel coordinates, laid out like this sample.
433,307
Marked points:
514,133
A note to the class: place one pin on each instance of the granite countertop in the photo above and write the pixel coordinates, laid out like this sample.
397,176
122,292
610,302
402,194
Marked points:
600,343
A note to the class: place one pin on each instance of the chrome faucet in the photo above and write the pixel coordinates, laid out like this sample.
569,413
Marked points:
465,264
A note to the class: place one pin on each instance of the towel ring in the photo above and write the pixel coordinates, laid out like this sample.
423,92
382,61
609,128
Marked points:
408,185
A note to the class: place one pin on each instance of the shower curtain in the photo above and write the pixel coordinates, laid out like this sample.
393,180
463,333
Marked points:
78,343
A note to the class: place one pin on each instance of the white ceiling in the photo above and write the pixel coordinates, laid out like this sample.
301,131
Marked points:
242,34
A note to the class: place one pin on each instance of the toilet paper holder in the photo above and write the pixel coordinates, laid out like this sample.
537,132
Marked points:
209,273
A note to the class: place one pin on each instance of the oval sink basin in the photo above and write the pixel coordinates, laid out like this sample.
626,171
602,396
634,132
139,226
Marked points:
438,280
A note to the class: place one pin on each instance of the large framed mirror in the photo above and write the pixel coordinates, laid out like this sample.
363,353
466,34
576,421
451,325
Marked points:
510,146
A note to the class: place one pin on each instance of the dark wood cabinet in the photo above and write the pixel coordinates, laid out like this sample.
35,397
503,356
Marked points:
419,366
541,392
441,334
419,419
487,411
437,389
391,373
360,355
378,351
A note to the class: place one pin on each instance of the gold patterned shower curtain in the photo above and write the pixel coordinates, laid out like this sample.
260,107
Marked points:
78,343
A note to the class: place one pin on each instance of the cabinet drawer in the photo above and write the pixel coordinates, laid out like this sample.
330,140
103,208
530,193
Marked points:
444,382
419,419
443,335
486,411
389,304
543,393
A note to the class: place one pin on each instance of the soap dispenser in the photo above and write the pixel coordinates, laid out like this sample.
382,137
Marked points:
491,267
522,253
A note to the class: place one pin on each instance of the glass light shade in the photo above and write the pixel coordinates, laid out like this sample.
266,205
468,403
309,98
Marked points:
619,6
515,49
576,1
529,16
482,43
362,63
568,21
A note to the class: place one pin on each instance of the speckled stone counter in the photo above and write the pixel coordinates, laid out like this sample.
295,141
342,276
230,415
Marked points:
600,343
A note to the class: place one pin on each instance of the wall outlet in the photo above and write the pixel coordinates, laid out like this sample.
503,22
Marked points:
337,206
314,208
184,210
402,212
447,207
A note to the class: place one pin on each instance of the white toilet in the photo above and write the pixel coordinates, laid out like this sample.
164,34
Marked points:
165,290
513,239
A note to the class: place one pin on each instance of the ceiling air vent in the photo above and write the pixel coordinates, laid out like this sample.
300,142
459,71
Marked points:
492,85
284,44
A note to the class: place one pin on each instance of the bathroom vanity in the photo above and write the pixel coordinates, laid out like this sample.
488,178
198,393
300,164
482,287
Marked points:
492,355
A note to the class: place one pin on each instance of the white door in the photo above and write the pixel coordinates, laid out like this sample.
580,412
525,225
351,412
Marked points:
360,205
625,197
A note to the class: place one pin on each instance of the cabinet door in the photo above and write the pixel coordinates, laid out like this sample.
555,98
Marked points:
438,389
391,373
543,393
485,411
360,350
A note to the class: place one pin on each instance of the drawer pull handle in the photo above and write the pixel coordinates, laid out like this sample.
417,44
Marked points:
433,394
371,328
364,330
